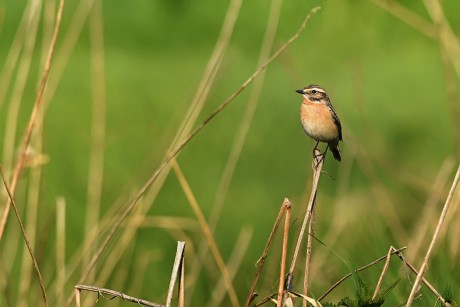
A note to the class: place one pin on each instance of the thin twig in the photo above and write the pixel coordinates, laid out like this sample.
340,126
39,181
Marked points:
33,117
132,299
29,247
415,287
306,279
60,249
384,271
287,223
317,167
261,261
396,251
179,148
77,297
182,283
96,159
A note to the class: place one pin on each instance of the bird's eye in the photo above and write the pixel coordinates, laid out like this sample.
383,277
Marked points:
313,91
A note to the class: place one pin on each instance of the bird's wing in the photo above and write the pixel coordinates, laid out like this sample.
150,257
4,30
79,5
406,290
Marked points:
336,120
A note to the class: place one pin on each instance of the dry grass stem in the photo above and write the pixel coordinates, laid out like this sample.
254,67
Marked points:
416,285
14,52
427,216
33,116
207,233
31,212
178,262
384,271
308,256
447,37
263,258
112,293
317,167
19,86
409,17
29,247
60,250
287,223
335,285
77,297
96,170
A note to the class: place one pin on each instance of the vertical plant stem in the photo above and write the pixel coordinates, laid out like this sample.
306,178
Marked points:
415,287
206,232
308,256
77,297
60,250
261,261
287,223
33,117
384,271
317,167
29,247
96,163
176,272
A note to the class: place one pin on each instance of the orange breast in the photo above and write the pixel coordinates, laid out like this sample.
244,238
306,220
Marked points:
317,122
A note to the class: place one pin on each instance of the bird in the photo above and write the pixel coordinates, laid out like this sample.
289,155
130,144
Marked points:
319,119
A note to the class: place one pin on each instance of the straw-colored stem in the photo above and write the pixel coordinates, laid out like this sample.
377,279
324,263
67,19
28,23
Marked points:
33,116
112,293
60,250
384,271
422,269
96,163
207,233
176,272
26,240
287,223
318,161
263,258
308,256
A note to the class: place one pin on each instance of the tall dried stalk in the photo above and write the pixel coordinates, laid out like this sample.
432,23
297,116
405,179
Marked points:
207,233
33,116
96,163
26,240
423,268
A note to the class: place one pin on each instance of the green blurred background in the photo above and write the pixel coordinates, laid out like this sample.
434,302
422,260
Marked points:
387,81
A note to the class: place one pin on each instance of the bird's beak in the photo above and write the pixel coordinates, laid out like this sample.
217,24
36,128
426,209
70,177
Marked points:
300,92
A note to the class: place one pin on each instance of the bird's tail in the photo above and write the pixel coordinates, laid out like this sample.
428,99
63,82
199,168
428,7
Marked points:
335,151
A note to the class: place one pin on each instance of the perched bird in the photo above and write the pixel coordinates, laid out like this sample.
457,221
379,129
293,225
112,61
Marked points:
319,119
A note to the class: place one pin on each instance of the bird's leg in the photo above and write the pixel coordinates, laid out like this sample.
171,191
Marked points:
323,156
314,152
